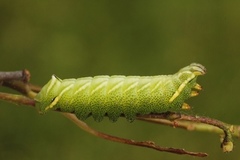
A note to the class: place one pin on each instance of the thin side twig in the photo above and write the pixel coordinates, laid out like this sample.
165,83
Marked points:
17,99
227,142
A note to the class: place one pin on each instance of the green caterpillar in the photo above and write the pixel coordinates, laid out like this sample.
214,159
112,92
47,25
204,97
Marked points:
116,96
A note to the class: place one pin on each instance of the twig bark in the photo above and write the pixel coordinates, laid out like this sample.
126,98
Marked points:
17,99
23,75
19,81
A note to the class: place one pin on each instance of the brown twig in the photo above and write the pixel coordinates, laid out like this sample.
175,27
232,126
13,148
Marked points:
147,144
23,75
17,99
227,142
19,81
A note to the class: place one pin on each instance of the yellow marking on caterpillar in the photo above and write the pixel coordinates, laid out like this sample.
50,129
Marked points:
53,103
144,87
54,79
116,87
103,84
180,88
82,88
156,86
56,99
131,86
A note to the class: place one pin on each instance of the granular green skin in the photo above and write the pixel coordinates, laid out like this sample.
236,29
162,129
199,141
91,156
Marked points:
114,96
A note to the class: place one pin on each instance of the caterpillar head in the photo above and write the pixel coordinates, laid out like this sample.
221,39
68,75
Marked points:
188,87
195,68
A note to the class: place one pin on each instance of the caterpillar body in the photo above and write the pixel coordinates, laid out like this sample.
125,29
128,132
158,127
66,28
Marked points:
116,96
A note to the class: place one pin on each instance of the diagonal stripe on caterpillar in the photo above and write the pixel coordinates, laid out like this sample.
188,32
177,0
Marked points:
116,96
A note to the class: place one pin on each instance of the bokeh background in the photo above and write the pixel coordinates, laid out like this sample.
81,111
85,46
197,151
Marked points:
76,38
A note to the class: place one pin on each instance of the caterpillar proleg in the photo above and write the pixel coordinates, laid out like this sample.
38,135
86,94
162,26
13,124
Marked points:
116,96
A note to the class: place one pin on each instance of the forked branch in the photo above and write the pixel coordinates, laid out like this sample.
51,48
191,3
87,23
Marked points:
19,81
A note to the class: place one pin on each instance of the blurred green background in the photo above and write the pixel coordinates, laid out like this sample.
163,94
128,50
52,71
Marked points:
76,38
